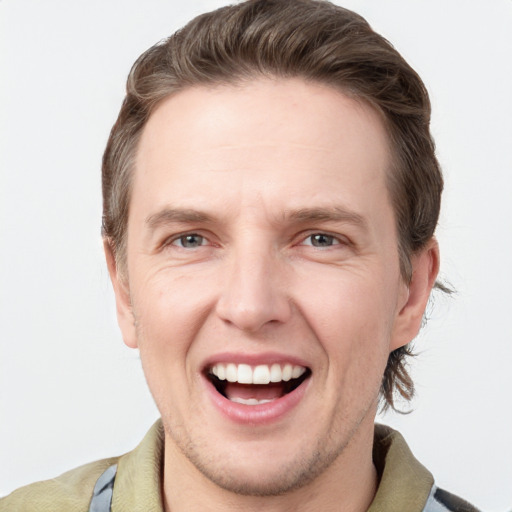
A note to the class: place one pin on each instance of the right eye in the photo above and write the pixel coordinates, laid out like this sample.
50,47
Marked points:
190,241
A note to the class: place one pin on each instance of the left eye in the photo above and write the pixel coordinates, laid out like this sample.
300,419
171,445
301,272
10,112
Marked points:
190,241
321,240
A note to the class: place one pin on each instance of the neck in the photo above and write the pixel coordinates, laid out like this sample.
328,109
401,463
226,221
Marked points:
348,484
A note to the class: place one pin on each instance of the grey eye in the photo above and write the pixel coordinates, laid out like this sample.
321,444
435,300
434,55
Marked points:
321,240
190,241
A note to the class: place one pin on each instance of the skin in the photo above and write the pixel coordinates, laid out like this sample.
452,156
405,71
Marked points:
249,158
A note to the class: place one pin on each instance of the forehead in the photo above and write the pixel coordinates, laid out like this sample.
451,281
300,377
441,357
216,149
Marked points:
289,139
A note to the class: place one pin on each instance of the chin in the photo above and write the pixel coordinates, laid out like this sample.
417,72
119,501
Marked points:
263,472
264,482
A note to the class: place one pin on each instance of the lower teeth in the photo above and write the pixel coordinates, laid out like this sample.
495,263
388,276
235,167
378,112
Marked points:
249,401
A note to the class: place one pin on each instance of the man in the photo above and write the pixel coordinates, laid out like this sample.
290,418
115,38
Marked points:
270,198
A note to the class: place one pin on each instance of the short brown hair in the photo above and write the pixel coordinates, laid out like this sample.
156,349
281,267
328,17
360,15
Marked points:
311,39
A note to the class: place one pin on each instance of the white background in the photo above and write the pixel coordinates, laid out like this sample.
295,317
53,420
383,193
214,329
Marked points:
70,392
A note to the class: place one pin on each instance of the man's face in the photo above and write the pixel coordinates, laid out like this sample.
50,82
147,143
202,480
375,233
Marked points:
262,247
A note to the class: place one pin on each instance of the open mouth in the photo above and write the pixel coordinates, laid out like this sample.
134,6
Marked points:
256,385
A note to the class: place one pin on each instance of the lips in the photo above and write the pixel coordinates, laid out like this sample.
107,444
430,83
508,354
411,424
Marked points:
256,385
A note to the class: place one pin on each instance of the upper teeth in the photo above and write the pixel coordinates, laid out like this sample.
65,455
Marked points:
261,374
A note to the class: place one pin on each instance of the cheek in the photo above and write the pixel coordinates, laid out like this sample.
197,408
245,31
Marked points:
169,316
352,317
169,310
342,299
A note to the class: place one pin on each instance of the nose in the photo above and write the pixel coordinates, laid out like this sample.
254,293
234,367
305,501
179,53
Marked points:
254,292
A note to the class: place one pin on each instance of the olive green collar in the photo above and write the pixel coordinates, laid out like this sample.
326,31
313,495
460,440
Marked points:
404,483
138,481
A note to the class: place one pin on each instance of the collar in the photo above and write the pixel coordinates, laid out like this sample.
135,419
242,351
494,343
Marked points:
138,481
404,484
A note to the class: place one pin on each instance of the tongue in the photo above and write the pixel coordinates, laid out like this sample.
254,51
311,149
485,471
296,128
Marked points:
260,392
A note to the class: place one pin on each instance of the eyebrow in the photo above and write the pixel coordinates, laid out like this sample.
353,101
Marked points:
334,214
169,215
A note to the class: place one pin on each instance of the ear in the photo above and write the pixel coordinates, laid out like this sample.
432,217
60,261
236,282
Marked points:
125,317
425,267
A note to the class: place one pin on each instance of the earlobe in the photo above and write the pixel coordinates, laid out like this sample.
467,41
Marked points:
425,267
124,311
